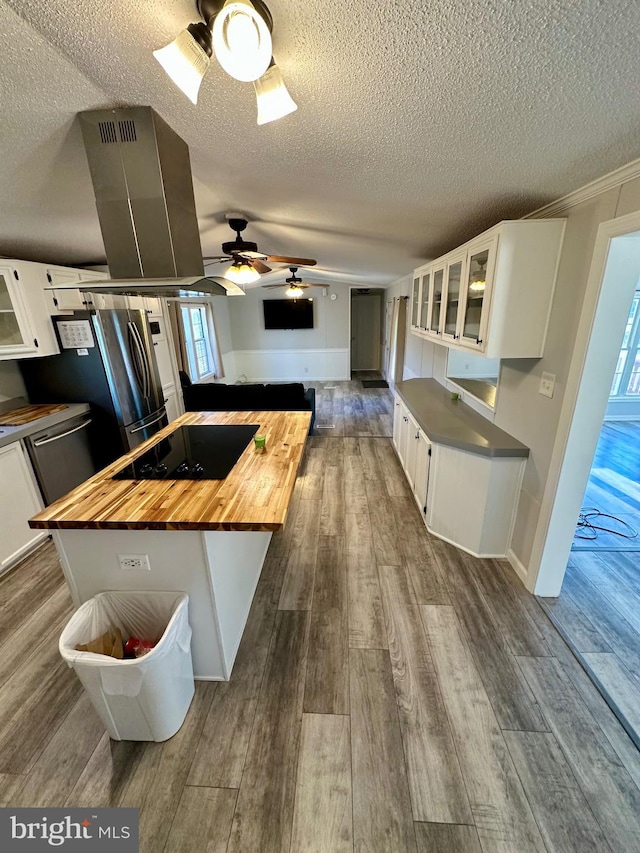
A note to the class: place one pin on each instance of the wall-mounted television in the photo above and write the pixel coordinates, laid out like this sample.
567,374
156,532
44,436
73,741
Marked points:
288,314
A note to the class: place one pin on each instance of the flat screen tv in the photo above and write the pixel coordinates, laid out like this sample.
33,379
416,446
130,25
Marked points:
288,314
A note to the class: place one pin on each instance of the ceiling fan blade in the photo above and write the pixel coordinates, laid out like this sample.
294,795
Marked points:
274,285
216,258
253,255
258,266
282,259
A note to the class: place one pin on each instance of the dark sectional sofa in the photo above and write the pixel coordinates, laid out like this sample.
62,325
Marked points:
248,397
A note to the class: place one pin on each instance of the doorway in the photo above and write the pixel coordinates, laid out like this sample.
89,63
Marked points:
591,594
367,309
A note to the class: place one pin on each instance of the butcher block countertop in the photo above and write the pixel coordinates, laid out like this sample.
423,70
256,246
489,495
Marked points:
254,496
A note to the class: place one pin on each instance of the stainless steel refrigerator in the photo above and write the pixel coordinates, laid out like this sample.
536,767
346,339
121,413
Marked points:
106,359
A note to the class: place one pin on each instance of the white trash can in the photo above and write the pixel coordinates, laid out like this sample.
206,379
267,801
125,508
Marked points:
146,698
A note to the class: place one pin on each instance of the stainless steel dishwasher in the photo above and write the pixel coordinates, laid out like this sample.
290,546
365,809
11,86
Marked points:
61,457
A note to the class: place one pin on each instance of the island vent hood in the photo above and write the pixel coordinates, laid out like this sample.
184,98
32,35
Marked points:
141,175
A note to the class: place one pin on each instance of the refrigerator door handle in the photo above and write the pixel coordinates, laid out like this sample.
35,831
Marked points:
138,359
42,441
151,423
145,361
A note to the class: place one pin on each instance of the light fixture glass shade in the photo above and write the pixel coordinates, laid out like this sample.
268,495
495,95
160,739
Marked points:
274,100
185,62
477,284
294,291
241,273
242,41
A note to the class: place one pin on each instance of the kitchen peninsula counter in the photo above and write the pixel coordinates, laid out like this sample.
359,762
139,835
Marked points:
208,538
254,496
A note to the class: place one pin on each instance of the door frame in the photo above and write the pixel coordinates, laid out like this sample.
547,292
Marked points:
381,292
605,307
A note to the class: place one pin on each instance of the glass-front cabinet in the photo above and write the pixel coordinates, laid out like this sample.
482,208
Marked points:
436,300
425,301
492,295
452,296
415,302
16,336
477,295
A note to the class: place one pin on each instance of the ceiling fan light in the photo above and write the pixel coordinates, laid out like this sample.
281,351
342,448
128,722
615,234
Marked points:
186,62
241,273
242,41
477,285
274,100
294,291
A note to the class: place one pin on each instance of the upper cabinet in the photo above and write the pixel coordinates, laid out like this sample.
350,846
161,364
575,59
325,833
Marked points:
493,295
26,330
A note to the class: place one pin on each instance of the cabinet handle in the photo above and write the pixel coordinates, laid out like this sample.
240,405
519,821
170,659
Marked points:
405,419
35,343
16,276
49,278
455,337
417,436
478,340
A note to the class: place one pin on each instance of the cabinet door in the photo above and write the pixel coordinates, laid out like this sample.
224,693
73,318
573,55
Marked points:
451,300
16,332
68,299
19,501
171,404
410,457
415,302
425,301
421,479
477,295
437,288
397,423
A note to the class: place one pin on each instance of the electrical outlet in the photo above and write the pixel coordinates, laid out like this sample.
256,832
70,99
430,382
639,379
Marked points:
547,384
134,562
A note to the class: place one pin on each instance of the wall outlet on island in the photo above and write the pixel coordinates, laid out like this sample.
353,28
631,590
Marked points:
134,562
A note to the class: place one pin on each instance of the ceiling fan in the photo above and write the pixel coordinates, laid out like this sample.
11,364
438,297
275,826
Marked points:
247,262
295,286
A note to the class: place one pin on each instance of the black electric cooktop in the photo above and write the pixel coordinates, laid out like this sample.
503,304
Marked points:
199,452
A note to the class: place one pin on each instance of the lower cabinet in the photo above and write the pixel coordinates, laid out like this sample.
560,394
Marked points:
465,498
414,451
19,501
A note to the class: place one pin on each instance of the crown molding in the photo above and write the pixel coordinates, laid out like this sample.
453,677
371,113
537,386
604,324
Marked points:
600,185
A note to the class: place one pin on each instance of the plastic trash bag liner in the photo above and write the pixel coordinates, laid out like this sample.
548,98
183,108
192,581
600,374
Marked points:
161,616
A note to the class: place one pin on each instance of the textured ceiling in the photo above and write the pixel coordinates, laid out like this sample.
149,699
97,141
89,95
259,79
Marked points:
418,125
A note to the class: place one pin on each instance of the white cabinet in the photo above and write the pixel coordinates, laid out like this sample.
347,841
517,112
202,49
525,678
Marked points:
414,450
19,501
493,294
66,298
26,330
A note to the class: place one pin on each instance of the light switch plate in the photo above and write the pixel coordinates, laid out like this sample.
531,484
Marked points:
547,384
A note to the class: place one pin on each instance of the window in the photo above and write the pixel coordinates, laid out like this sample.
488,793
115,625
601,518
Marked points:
626,379
197,335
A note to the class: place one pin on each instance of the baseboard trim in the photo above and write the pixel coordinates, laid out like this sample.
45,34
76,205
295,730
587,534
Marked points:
519,568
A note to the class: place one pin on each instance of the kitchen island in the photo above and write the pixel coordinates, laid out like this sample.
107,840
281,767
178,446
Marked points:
206,537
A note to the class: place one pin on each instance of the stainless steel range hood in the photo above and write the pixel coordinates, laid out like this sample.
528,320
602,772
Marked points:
141,175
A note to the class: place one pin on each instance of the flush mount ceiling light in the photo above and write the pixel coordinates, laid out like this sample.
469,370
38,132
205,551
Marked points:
239,33
241,273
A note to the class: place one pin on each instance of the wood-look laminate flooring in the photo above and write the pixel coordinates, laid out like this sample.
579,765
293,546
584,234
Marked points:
613,490
598,613
390,694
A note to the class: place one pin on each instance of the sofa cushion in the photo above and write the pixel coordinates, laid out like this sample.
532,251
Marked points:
247,397
206,397
286,396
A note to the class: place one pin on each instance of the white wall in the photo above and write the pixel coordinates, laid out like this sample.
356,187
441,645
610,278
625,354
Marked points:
321,353
418,354
521,410
11,384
